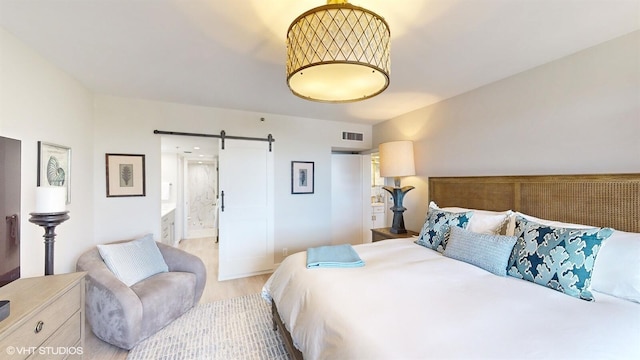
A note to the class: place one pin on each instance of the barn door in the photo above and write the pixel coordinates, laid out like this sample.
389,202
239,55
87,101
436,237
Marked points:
245,209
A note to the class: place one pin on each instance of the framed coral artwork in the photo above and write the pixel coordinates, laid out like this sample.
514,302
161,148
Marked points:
54,166
125,175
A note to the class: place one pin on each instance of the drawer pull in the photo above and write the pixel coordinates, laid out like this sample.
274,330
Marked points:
39,327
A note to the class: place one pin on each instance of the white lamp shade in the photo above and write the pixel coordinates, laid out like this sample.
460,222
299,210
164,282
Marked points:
396,159
50,199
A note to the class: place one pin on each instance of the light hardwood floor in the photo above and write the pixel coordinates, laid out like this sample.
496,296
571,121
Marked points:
207,250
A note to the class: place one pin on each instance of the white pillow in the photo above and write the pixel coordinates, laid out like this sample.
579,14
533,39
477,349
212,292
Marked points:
482,221
135,260
512,223
617,268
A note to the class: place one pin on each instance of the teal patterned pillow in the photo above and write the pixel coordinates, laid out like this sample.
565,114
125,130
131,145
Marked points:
435,231
558,258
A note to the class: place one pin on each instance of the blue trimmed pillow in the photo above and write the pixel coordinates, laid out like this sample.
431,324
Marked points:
483,221
435,231
487,251
555,257
133,261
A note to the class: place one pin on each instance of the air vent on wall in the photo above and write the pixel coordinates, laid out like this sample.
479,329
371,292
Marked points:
352,136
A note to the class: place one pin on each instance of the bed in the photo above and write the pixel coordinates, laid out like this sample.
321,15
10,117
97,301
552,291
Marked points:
413,302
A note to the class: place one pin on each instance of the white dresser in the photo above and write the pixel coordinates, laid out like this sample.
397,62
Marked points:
46,320
168,225
378,215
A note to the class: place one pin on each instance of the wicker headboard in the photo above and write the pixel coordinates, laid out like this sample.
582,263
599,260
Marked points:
598,200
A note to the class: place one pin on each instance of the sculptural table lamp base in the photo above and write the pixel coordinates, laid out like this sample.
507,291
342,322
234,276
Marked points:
49,221
397,226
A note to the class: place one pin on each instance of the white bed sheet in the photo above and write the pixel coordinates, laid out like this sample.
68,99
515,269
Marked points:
409,302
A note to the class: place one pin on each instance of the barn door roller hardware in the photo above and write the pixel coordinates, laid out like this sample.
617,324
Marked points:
223,135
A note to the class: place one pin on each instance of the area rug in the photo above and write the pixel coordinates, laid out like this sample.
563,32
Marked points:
239,328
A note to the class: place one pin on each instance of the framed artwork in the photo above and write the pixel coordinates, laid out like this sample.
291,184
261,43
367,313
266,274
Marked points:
54,166
302,177
125,175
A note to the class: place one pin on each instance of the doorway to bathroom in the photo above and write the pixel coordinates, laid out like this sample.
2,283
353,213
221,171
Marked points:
189,188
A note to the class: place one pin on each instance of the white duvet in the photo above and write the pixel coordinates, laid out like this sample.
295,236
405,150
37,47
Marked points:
409,302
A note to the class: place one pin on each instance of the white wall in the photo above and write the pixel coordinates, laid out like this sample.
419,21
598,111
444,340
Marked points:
576,115
39,102
126,126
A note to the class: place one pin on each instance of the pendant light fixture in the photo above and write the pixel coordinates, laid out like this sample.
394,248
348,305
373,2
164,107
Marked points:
338,53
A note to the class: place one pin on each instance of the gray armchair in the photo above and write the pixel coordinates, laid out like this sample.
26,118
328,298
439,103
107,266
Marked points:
124,316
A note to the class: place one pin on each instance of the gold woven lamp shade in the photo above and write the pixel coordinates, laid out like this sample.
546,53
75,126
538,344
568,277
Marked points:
338,53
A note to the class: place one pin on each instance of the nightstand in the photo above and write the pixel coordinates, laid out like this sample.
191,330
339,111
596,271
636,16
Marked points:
384,234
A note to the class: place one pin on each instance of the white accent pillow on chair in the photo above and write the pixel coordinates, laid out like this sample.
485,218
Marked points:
135,260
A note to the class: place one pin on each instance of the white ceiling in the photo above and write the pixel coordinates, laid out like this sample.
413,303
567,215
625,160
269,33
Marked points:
231,54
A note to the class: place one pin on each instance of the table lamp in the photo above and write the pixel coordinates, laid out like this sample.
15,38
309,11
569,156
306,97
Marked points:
396,161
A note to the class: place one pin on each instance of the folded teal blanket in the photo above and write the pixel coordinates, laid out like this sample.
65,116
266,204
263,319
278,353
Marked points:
336,256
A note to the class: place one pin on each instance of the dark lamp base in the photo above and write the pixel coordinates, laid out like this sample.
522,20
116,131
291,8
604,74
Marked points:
49,221
397,230
397,226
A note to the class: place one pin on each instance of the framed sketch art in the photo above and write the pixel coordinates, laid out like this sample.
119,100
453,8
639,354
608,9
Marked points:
125,175
302,177
54,166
